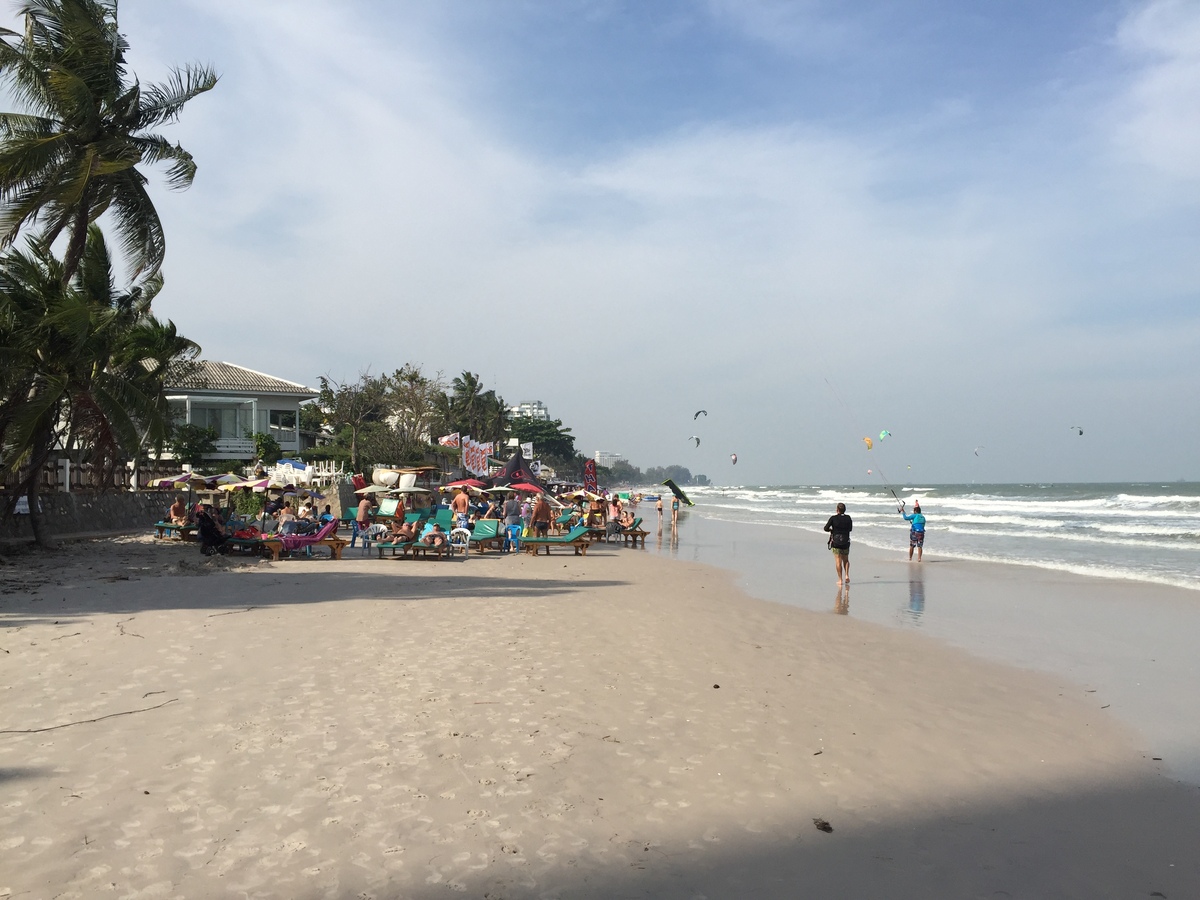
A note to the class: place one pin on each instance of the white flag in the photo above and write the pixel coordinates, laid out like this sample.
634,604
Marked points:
527,450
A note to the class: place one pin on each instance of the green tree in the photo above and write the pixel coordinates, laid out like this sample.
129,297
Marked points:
82,365
551,440
75,154
470,410
351,405
266,448
191,444
413,403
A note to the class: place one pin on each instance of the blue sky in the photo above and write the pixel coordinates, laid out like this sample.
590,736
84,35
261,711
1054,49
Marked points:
969,224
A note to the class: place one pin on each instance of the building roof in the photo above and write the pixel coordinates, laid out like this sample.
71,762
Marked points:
227,378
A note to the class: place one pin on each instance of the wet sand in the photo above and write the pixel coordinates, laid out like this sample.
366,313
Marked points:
557,727
1133,643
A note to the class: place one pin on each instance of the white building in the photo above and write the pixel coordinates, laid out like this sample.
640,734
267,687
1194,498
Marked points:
530,409
608,457
234,400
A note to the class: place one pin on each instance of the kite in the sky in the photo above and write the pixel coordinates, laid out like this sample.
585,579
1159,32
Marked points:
733,458
868,471
696,439
884,434
700,412
977,449
1077,428
870,443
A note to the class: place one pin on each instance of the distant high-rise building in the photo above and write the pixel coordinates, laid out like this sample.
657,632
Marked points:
530,409
608,457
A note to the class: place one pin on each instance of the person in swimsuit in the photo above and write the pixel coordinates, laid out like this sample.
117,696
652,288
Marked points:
674,513
839,527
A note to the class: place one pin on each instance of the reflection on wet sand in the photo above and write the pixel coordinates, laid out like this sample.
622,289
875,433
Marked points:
841,604
916,592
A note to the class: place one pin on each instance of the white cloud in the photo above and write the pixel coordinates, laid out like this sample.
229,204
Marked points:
1160,111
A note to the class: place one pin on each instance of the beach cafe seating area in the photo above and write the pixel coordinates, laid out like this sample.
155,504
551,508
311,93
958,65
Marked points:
404,521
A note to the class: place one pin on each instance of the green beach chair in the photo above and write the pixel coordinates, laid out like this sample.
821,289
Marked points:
578,538
486,534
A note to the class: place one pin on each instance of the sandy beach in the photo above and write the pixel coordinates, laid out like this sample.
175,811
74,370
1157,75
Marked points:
620,725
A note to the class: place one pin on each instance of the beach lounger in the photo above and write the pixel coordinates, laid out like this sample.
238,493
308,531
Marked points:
563,522
577,538
171,531
486,534
634,533
326,537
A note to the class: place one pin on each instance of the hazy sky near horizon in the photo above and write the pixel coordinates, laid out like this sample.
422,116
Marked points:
973,225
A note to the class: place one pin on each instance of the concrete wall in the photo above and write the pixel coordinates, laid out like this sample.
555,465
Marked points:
73,513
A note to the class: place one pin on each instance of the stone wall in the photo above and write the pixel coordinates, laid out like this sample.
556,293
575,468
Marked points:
82,512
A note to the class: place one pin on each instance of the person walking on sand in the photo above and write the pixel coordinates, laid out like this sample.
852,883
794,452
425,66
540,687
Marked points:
916,536
658,506
839,527
674,513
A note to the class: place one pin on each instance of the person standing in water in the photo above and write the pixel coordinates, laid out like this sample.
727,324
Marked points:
916,536
839,527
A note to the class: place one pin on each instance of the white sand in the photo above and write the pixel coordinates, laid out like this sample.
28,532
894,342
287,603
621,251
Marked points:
521,728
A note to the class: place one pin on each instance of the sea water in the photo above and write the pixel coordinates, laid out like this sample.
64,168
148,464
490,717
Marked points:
1140,531
1125,633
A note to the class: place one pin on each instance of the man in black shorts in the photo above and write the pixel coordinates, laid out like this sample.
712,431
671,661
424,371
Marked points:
839,527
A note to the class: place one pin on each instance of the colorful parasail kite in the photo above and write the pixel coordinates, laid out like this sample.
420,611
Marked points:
699,413
870,443
884,434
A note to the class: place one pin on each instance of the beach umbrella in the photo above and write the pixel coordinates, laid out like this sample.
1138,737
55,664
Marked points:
374,489
524,486
217,481
501,489
467,482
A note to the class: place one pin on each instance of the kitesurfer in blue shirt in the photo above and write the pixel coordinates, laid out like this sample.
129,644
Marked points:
916,536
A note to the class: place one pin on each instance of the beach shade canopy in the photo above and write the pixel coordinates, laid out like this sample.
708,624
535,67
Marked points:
516,471
184,479
581,494
522,486
251,484
228,478
501,489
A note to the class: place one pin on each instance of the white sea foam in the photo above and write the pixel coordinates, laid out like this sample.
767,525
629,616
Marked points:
1144,532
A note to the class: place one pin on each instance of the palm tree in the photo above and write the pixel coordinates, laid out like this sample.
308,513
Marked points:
466,402
87,365
74,156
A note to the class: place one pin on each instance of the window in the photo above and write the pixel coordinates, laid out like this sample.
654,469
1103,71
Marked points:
283,425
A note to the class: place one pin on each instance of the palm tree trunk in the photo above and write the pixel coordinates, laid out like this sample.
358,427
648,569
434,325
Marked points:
78,240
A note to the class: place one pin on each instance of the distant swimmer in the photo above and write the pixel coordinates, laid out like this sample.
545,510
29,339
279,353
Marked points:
916,534
839,527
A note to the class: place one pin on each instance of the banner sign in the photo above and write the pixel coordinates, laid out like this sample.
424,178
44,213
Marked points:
527,450
474,456
589,476
449,440
535,466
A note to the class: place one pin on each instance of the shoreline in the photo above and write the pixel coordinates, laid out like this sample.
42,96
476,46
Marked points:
518,727
1132,642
